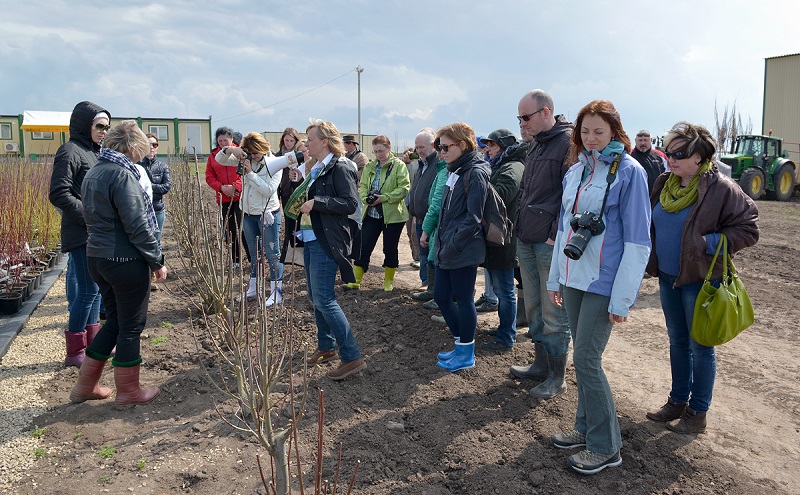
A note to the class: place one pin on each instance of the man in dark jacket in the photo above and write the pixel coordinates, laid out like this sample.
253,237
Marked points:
505,158
647,158
537,217
420,190
88,126
159,177
354,154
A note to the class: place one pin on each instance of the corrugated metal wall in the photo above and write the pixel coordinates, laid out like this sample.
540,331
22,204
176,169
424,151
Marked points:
782,101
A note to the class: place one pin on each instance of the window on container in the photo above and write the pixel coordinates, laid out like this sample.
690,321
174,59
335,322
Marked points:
5,131
160,131
41,135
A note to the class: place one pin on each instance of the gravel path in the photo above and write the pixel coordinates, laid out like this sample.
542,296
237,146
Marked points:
34,357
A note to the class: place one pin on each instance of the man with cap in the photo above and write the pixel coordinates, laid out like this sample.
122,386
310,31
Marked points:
647,157
353,153
505,158
487,303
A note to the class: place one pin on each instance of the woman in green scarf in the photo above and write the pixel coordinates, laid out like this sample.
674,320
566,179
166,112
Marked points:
692,205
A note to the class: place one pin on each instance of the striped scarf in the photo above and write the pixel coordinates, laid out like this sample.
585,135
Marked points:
126,163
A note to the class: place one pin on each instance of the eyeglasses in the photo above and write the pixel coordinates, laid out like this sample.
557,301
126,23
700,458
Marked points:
525,118
153,145
677,155
101,127
445,147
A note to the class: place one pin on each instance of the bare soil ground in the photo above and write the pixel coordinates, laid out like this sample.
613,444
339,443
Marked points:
473,432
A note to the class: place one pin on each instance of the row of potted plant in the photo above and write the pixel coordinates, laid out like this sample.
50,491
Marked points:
29,228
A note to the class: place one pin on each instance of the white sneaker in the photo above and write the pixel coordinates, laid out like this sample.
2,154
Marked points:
276,294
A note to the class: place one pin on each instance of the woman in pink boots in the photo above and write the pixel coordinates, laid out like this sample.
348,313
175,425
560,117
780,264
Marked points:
122,252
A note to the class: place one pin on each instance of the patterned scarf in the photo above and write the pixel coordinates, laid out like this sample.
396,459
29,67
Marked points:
126,163
673,198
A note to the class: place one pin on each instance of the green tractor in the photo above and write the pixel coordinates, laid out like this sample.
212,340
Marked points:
759,165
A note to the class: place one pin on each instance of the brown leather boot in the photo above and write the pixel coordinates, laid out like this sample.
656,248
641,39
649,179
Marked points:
128,390
88,386
691,422
346,369
668,412
320,356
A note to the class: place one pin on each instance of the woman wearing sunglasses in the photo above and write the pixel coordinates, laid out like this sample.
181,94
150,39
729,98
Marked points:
383,188
460,245
88,126
601,249
692,205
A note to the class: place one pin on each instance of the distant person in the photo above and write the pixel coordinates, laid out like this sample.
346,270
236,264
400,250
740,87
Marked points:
160,181
288,142
411,159
88,125
383,189
505,161
354,154
428,239
419,193
692,206
122,253
228,186
262,211
548,137
326,230
647,157
460,242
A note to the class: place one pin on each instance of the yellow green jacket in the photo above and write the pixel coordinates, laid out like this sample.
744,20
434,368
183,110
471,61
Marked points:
395,184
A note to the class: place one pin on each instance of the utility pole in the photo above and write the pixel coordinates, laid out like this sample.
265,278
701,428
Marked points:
359,70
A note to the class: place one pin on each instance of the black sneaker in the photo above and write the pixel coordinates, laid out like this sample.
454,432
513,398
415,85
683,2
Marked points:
569,439
588,462
487,307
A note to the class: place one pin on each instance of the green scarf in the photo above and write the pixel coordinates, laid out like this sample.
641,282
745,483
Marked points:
674,198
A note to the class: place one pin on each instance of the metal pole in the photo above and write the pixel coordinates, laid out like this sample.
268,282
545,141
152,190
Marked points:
359,70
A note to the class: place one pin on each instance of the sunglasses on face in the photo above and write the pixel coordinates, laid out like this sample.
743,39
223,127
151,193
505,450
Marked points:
445,147
154,145
677,155
525,118
102,128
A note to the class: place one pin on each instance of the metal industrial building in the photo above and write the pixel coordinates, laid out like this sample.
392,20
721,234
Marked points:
781,112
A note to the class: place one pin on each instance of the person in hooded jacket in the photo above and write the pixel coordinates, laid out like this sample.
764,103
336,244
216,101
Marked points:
505,159
88,126
460,243
597,275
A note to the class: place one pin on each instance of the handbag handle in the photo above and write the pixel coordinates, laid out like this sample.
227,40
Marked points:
723,241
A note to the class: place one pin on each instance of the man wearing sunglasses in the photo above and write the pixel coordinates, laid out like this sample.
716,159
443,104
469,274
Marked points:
647,157
546,163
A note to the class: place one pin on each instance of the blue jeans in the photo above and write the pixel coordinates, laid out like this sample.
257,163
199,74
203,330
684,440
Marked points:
86,306
160,217
596,416
460,316
332,325
694,366
72,283
423,256
547,323
488,290
503,282
270,246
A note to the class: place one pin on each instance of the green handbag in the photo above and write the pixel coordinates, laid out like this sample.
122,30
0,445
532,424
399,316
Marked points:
721,313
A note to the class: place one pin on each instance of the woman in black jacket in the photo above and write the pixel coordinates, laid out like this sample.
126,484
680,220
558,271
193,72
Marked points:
87,128
122,253
327,232
460,244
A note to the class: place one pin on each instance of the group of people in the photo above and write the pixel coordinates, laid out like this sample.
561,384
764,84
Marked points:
590,217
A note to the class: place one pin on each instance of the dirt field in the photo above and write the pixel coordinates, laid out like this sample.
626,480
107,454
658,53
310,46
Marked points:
473,432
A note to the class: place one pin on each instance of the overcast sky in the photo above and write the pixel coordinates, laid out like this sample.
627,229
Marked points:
426,63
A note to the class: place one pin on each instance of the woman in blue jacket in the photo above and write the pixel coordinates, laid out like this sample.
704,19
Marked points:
604,225
460,243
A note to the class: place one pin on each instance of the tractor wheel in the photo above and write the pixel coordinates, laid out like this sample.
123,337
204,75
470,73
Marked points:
752,182
784,183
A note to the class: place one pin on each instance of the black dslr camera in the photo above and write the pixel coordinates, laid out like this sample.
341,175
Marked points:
372,197
240,167
585,225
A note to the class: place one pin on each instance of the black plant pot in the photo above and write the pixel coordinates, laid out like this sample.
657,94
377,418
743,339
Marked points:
10,302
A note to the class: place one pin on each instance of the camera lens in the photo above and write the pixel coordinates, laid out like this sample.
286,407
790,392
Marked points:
577,244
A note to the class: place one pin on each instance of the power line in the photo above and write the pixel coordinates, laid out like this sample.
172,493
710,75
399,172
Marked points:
287,99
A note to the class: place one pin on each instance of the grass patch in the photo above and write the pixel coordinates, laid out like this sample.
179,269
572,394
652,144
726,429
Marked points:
104,479
38,432
77,435
158,340
39,452
141,464
107,452
166,324
796,219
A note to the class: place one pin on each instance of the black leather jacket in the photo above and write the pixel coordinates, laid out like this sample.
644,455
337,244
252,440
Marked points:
159,176
114,210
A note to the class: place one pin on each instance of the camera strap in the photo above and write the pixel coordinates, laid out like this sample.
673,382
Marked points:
610,178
